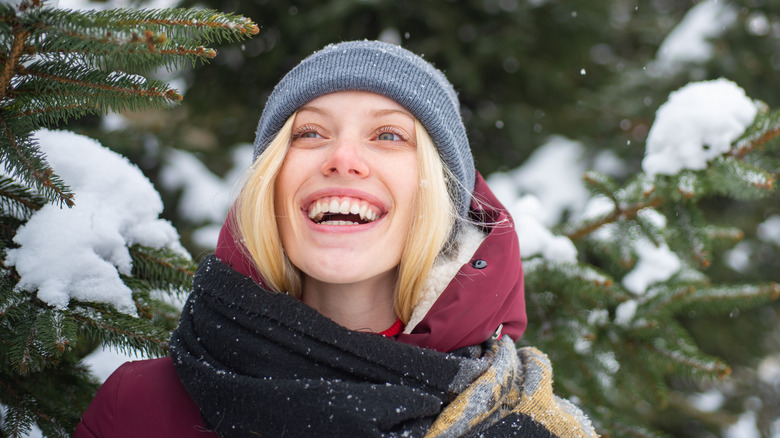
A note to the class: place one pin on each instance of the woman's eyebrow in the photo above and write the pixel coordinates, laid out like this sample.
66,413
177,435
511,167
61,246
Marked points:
390,111
374,113
315,109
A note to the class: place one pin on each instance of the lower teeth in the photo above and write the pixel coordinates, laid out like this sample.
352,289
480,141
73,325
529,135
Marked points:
339,223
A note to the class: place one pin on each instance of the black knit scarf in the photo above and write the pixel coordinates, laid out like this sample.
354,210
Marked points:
259,363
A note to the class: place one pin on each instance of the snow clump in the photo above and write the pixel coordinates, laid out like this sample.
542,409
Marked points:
769,230
697,124
80,252
690,42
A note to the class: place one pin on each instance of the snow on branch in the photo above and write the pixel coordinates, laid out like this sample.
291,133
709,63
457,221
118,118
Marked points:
697,124
690,42
79,253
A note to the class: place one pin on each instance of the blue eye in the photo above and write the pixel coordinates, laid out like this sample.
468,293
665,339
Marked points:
388,136
306,131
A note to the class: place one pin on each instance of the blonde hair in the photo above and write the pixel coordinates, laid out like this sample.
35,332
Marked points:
434,218
255,217
429,234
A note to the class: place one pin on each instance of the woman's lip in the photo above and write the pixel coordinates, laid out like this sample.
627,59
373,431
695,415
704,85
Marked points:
344,192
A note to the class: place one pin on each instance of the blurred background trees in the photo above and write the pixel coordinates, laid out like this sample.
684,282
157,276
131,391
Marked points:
593,72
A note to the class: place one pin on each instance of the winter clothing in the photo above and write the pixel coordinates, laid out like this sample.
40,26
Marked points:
513,397
143,399
385,69
237,343
258,361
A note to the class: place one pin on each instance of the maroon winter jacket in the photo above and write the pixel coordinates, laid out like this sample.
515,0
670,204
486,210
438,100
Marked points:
146,399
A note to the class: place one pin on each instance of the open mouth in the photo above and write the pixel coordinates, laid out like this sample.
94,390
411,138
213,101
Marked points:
337,210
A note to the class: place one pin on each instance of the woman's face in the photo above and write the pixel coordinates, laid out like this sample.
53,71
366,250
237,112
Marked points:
346,190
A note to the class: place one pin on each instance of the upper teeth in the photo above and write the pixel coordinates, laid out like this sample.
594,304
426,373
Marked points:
320,207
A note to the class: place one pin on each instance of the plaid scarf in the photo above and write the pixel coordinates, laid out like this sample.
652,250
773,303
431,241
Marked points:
259,363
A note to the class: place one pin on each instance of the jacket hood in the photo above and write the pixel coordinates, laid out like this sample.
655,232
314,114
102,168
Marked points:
485,295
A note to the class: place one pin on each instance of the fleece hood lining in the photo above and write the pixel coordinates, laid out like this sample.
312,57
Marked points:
444,271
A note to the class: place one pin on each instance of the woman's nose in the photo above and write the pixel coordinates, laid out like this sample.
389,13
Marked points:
346,159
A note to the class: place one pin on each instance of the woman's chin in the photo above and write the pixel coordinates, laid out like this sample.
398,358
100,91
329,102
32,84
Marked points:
349,271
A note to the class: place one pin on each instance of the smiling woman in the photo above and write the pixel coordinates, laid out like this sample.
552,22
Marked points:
366,283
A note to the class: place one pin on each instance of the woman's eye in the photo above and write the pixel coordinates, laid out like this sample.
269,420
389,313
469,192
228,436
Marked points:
306,131
391,133
388,136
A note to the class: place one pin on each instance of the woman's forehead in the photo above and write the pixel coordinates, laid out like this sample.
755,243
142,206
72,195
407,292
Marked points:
373,103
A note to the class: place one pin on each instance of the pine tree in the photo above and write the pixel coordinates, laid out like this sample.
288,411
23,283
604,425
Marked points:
58,65
618,352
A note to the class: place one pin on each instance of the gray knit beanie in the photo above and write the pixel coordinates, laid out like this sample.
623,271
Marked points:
388,70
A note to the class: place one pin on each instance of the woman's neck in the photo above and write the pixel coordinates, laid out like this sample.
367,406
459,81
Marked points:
366,306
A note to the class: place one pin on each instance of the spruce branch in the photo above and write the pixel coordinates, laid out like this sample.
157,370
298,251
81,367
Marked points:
122,51
740,179
122,332
214,27
57,330
180,24
115,83
17,419
765,129
601,184
721,298
53,410
687,233
695,362
18,199
23,159
23,365
619,213
11,300
726,234
127,333
52,114
48,93
745,147
668,302
11,61
148,261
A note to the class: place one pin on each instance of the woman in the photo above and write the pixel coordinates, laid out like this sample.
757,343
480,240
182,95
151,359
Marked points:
367,282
